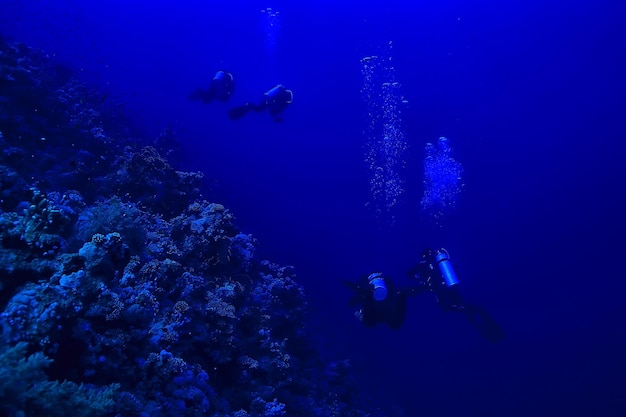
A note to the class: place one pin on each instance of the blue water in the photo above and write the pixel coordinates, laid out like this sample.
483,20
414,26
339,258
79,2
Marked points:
531,97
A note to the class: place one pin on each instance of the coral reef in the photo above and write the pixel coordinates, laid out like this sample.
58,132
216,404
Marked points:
123,292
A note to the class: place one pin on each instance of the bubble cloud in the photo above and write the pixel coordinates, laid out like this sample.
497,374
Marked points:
270,25
442,180
385,136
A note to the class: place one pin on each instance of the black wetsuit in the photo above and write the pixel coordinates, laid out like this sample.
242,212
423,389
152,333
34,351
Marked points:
220,88
450,298
275,104
391,310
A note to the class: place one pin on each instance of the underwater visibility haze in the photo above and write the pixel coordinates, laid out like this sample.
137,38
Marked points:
306,208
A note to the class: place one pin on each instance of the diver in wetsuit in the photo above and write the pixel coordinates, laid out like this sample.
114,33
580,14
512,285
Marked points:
379,301
275,101
434,273
221,88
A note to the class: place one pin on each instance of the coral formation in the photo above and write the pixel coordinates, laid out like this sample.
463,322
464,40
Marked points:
123,292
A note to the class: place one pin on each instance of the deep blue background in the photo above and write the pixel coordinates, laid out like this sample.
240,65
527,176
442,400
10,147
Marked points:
531,97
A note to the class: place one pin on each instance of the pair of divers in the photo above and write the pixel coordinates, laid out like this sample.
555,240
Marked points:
222,87
379,300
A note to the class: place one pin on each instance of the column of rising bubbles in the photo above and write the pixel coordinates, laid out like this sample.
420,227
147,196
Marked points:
270,25
385,137
442,180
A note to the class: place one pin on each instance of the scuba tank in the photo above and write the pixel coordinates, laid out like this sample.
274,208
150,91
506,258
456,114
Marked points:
380,288
274,91
220,75
445,267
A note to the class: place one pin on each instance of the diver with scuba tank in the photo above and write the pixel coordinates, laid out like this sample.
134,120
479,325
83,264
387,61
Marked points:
220,88
275,101
379,300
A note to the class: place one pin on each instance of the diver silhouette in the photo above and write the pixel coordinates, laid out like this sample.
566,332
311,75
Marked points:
221,88
380,301
275,101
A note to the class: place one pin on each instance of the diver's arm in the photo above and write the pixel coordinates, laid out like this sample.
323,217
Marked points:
414,290
419,271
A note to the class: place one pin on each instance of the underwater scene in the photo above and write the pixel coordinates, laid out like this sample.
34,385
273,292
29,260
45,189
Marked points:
312,208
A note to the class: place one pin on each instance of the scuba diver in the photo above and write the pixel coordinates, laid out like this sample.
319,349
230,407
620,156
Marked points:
220,88
435,274
379,299
275,101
